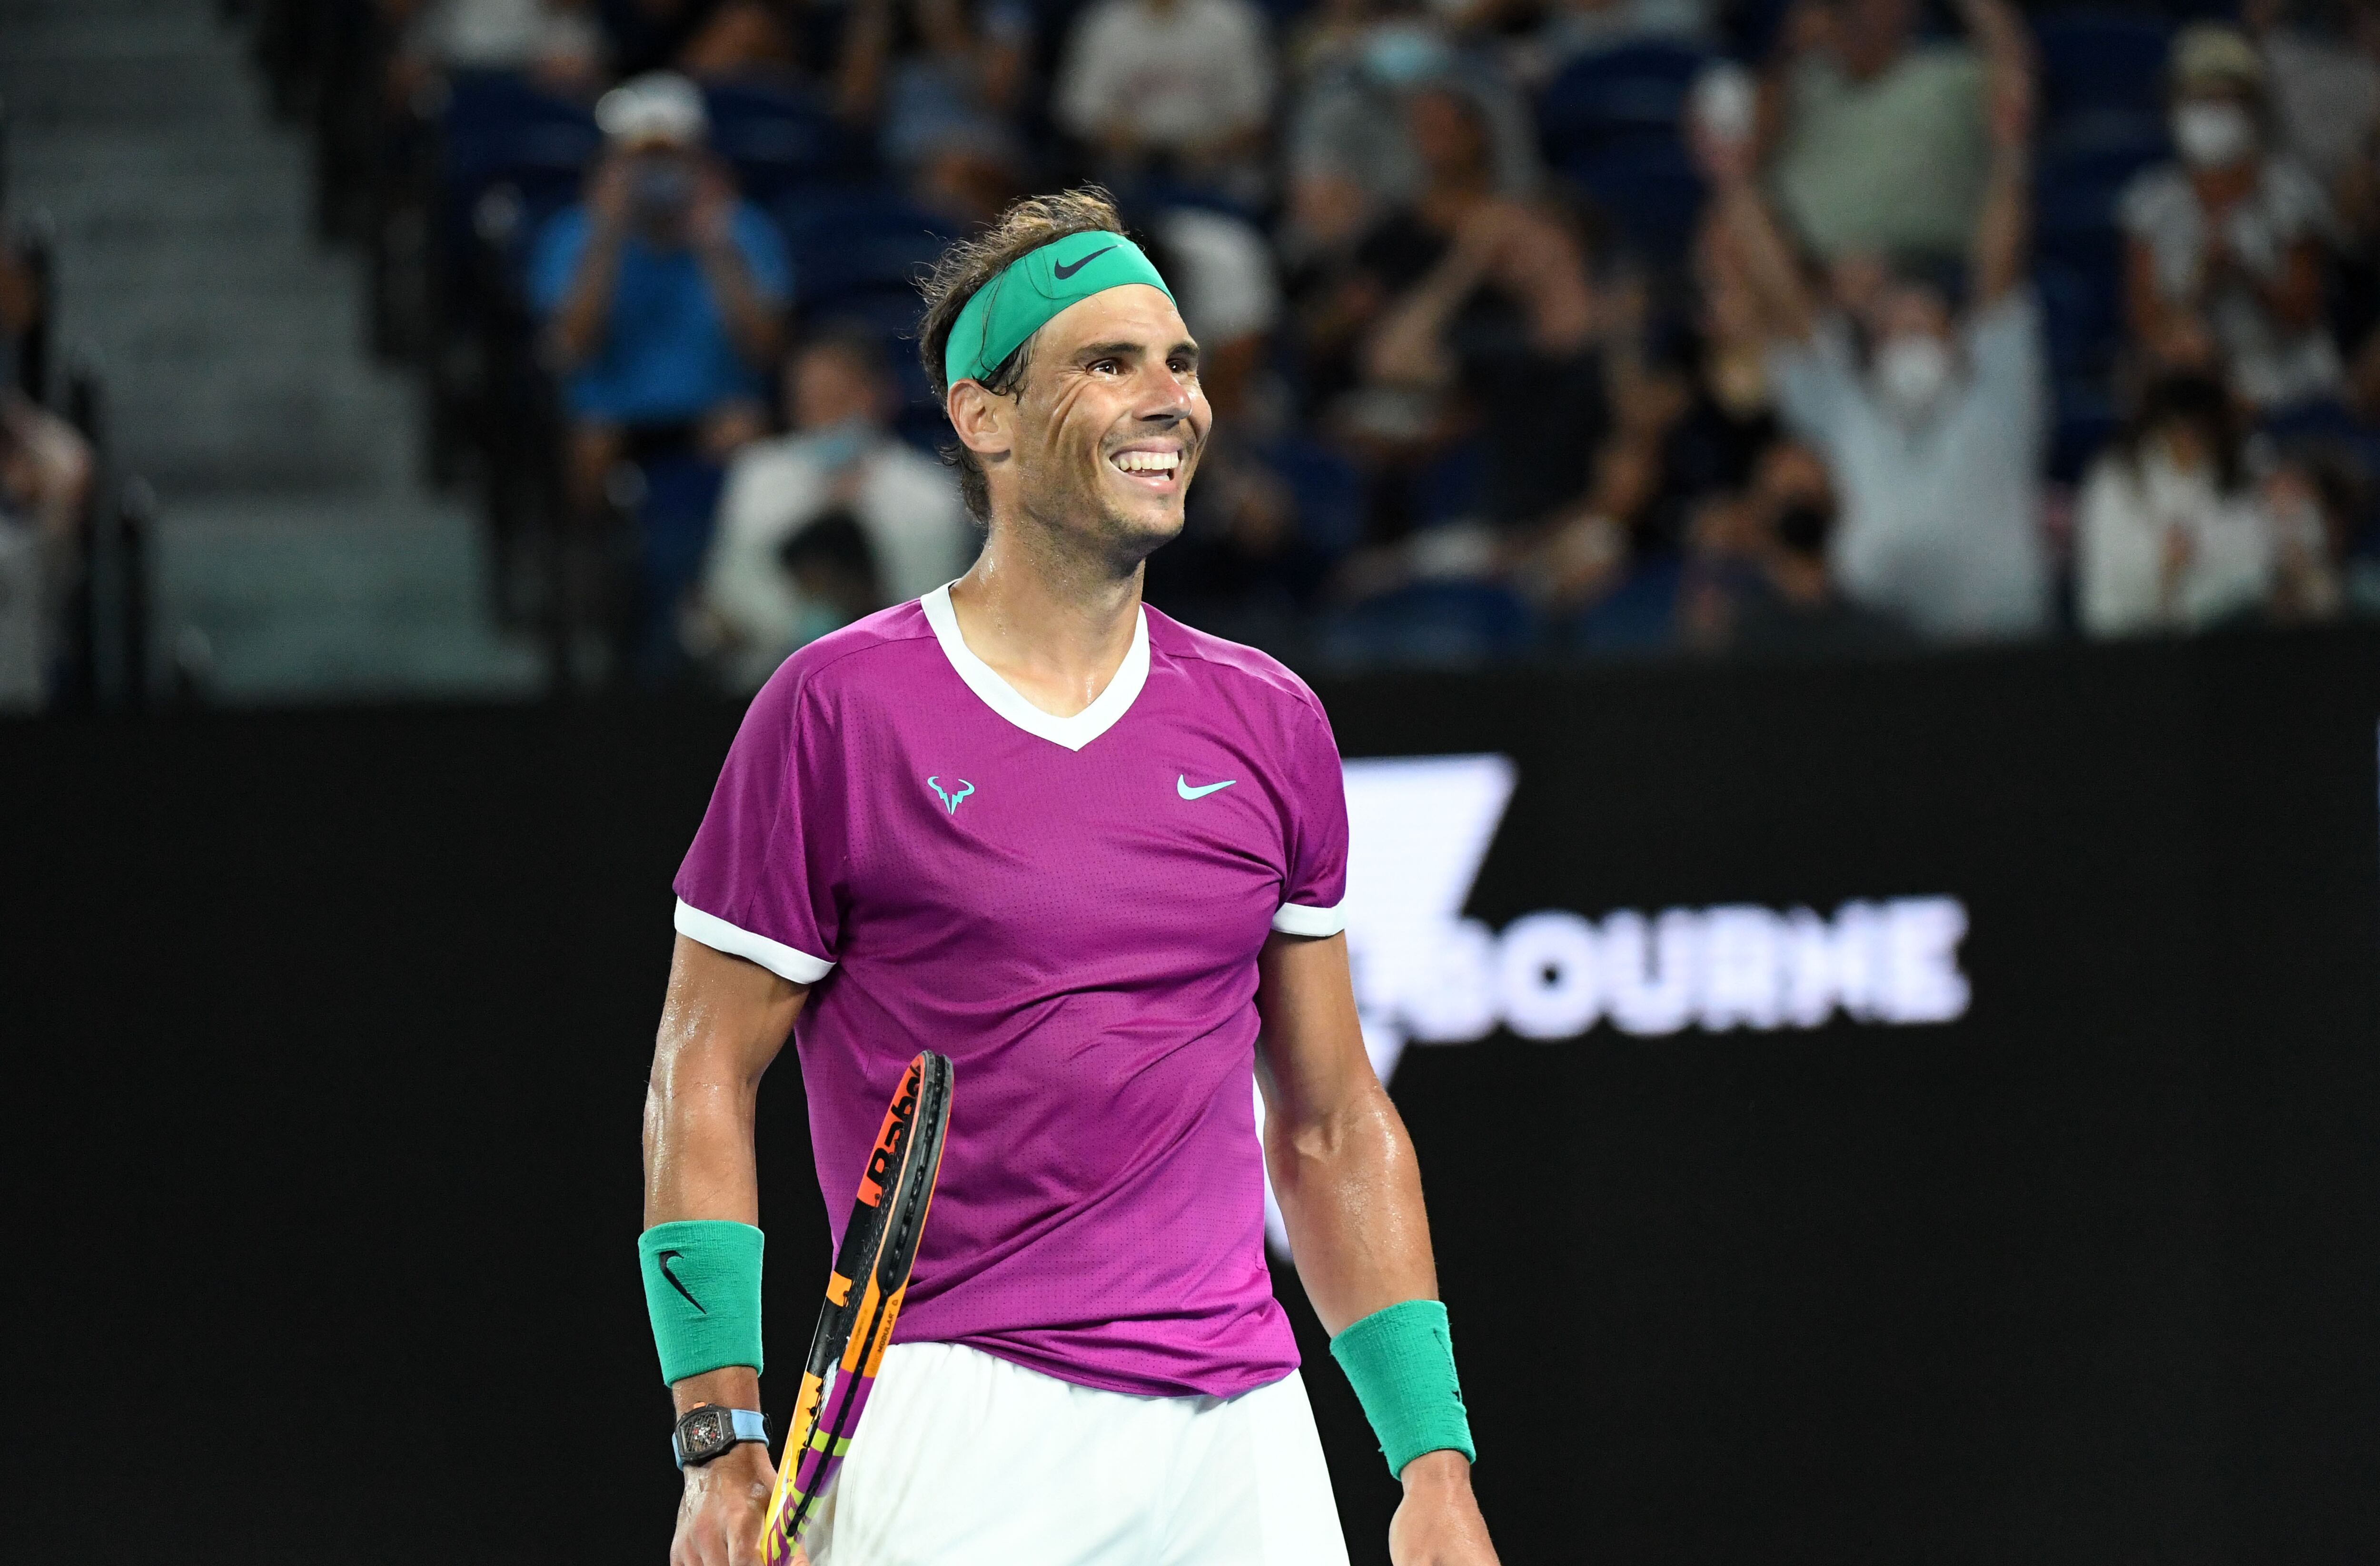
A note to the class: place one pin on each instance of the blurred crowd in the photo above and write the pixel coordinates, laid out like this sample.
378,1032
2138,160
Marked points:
45,484
1533,327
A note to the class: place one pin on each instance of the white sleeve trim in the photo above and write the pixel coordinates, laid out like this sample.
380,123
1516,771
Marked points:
1294,920
717,934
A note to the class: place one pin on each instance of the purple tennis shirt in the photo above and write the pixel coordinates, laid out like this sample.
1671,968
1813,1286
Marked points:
1071,909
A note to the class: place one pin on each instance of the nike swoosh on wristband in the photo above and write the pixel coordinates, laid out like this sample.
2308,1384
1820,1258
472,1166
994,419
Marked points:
1067,269
1182,785
662,1257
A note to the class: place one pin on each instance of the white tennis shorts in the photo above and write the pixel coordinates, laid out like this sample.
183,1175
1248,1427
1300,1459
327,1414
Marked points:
966,1460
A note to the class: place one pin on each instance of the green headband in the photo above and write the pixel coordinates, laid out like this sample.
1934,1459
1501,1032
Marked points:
1032,288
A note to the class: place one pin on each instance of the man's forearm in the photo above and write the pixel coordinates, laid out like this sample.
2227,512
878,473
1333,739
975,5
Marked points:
699,1159
751,322
2002,227
1350,1191
579,326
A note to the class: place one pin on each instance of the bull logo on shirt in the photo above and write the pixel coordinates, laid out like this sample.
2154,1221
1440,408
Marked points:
950,800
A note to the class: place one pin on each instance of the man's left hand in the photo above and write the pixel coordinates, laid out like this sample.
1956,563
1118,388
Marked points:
1439,1524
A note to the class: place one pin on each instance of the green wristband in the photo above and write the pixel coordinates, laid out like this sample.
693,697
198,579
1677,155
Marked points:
702,1289
1402,1362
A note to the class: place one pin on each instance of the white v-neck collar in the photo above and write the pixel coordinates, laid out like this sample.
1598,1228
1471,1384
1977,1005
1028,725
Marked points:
1002,697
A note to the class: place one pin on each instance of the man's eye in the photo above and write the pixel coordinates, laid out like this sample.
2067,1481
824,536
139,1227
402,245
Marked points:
1103,366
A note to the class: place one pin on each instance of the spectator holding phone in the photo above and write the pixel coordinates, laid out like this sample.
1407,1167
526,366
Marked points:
663,294
2171,534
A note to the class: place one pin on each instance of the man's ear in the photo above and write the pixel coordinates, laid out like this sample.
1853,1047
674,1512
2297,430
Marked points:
986,424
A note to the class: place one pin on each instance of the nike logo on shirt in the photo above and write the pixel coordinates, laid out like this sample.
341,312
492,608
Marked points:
1182,785
1065,269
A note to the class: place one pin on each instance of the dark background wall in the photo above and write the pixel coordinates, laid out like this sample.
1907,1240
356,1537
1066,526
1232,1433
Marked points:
327,1037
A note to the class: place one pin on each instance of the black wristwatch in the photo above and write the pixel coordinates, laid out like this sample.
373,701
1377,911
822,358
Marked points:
708,1431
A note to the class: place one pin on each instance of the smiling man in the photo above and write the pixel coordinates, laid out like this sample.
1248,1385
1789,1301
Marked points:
1097,858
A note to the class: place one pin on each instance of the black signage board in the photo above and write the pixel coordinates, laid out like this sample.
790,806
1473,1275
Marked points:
331,1033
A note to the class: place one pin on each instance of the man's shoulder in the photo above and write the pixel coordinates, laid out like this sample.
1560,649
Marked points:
870,653
1242,671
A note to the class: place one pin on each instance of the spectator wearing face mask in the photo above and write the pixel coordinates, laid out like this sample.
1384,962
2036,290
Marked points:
1759,582
663,294
1936,440
2169,534
2225,250
767,587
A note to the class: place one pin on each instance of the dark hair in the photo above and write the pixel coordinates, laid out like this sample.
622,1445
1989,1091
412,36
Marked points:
1026,226
2196,399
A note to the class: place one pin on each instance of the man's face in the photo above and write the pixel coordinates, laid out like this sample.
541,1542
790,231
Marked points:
1109,422
827,388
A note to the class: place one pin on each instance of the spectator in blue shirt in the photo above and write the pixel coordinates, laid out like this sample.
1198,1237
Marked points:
663,295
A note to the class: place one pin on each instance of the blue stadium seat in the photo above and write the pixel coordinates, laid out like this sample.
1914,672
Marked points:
2096,61
496,126
859,252
1649,190
778,139
1638,619
2080,314
1327,488
2086,420
1635,93
1434,624
673,524
2101,150
2079,249
857,240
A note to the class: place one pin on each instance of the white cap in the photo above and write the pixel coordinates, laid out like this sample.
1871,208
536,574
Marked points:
658,107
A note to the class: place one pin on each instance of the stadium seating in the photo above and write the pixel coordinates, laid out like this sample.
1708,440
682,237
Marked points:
2098,61
1610,122
1650,191
1637,92
779,141
1436,624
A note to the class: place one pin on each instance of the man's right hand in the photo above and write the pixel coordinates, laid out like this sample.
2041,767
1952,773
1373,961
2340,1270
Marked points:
726,1501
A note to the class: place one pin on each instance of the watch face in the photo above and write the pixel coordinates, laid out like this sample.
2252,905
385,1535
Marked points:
708,1429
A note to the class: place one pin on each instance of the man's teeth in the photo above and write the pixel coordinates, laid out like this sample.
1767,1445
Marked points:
1147,462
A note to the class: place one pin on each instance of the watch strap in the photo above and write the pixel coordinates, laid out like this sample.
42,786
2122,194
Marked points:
743,1424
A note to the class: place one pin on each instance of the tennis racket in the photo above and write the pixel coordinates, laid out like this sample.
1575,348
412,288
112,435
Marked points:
863,1297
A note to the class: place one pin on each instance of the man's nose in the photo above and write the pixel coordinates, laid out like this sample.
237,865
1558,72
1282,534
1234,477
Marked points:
1169,395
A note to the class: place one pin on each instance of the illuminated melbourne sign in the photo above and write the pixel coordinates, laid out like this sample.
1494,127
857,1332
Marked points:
1419,829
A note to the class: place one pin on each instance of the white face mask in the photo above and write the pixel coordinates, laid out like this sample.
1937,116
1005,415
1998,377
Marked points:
1911,372
2214,135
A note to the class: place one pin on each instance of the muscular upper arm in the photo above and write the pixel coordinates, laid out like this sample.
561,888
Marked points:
723,1021
1313,1062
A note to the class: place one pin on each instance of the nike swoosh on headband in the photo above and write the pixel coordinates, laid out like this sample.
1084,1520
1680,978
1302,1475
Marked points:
1065,269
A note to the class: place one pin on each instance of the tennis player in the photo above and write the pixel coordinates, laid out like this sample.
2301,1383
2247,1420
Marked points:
1097,858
